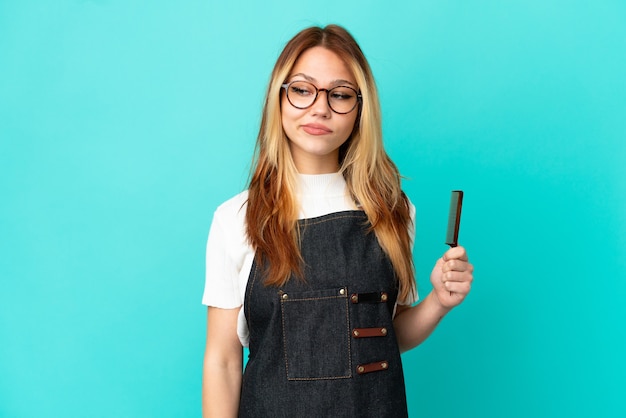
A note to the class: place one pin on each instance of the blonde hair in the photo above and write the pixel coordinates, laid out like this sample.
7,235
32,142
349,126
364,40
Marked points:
372,178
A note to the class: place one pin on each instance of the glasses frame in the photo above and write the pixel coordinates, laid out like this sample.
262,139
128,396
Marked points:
317,92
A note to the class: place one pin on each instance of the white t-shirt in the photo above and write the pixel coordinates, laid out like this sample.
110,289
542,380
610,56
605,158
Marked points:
229,256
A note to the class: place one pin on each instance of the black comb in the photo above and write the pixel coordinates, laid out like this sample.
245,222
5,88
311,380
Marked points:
454,218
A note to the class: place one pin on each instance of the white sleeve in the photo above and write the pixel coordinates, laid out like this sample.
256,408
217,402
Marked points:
221,288
227,255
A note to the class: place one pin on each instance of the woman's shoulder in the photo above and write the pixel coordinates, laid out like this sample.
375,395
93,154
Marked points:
233,210
230,216
229,224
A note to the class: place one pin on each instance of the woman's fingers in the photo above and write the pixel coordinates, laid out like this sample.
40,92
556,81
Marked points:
456,265
455,253
462,286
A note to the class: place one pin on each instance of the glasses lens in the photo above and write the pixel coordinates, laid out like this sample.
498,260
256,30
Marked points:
342,99
301,94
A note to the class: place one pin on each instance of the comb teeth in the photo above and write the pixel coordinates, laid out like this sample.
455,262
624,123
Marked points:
454,218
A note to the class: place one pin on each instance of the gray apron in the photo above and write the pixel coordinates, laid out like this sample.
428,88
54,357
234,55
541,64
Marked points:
325,346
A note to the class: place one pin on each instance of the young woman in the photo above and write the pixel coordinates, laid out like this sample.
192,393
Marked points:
311,267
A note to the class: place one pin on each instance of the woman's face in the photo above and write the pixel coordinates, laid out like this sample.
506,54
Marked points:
316,133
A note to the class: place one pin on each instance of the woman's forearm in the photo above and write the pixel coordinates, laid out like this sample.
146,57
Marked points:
222,368
221,387
413,325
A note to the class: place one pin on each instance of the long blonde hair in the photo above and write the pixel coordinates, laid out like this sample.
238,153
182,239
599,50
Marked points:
372,178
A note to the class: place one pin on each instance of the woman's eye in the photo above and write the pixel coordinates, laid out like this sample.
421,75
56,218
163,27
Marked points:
301,91
342,95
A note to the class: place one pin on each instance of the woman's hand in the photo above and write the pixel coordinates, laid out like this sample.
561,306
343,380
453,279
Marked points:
452,280
452,277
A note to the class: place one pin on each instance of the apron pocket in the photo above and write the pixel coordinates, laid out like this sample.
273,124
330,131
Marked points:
316,334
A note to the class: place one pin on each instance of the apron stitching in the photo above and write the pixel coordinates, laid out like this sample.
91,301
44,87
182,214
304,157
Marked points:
319,298
301,379
348,335
333,218
282,317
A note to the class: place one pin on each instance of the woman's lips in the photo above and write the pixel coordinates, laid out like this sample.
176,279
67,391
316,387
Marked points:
315,129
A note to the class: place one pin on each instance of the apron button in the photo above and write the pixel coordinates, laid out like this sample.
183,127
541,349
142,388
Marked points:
383,331
284,296
342,291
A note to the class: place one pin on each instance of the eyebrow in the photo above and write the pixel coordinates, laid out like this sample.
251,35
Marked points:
337,82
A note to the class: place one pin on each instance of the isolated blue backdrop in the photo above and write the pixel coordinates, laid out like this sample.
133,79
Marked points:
123,124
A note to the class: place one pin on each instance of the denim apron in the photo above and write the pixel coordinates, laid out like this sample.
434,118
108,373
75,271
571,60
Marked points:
325,346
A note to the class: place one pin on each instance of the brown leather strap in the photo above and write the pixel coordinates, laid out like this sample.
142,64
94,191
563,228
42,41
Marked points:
372,367
369,332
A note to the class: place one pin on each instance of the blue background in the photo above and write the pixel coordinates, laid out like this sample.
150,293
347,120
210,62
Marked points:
123,124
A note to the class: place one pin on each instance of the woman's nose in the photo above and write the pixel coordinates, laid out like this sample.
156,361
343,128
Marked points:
320,105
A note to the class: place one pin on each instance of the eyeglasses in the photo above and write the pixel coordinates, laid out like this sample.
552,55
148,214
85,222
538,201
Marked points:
302,95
